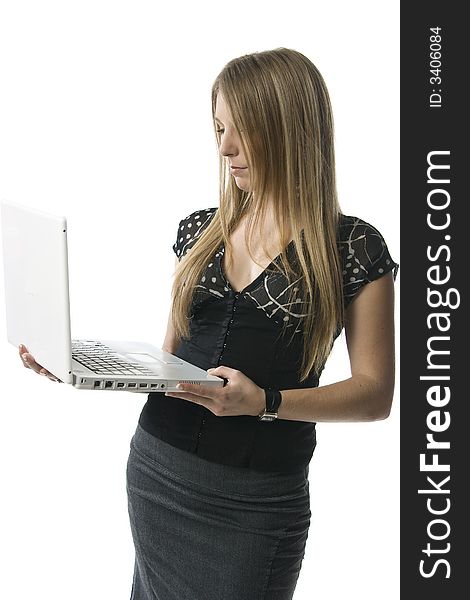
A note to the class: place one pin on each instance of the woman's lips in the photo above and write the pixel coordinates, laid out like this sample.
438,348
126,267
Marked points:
237,169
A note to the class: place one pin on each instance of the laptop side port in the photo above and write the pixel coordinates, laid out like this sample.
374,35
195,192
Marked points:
97,384
108,384
131,385
143,385
120,384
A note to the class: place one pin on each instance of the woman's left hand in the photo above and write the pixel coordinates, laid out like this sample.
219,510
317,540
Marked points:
240,395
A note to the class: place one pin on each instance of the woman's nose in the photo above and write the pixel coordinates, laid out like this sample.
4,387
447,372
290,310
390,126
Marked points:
228,145
226,148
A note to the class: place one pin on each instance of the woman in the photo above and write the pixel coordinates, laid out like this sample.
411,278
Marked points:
217,478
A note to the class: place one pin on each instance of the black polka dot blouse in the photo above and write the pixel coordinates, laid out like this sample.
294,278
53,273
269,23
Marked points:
241,329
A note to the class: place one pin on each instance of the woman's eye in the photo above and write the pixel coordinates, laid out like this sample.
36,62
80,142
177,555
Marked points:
220,130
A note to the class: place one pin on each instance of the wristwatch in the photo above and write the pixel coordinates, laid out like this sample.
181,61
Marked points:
273,401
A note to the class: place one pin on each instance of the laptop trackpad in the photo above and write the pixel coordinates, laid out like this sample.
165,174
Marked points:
147,358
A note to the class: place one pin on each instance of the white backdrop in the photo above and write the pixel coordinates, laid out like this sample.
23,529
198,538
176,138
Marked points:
105,118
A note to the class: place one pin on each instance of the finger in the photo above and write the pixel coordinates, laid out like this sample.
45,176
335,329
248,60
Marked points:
48,375
222,371
199,390
36,367
207,402
28,360
185,395
24,354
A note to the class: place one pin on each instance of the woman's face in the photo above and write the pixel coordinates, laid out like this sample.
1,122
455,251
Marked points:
230,146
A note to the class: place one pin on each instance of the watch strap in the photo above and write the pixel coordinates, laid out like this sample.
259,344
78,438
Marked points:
273,401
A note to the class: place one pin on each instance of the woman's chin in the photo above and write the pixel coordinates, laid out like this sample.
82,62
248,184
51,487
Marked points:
242,186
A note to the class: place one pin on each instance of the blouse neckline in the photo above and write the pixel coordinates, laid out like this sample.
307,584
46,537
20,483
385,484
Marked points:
253,284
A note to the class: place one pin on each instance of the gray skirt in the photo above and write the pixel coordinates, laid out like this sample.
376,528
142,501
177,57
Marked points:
206,531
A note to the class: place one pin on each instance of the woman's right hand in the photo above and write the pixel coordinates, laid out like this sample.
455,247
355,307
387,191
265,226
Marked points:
28,361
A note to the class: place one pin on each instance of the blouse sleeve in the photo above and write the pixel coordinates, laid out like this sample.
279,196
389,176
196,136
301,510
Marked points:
190,228
365,256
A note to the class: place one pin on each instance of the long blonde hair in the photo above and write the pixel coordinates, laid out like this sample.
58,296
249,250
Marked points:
280,107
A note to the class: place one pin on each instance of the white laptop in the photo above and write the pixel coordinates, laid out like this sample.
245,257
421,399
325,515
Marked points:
38,315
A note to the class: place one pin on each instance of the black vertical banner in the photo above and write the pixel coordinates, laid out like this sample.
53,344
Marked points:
434,270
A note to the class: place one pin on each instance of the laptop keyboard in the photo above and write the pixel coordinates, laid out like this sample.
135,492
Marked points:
102,359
